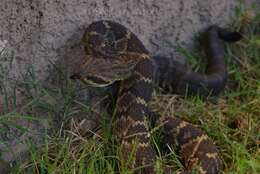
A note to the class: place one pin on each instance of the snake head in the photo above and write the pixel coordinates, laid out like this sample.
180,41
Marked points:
103,71
112,53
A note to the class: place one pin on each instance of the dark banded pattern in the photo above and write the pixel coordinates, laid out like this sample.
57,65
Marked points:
141,93
195,148
116,54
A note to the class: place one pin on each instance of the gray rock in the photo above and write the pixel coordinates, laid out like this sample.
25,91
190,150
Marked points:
43,31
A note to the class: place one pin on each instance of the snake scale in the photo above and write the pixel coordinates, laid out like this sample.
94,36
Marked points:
115,55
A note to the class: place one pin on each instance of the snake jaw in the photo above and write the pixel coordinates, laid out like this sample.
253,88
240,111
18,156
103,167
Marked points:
92,80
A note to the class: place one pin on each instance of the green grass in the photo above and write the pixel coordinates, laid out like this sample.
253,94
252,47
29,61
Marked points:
233,122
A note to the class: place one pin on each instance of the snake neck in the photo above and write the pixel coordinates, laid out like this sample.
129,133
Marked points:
131,112
136,91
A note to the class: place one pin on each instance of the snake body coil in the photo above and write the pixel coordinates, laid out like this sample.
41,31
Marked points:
116,54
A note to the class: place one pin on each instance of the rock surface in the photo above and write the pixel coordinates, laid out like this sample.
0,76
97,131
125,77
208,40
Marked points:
43,31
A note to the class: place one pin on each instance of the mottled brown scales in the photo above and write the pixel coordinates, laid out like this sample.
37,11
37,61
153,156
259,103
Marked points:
116,54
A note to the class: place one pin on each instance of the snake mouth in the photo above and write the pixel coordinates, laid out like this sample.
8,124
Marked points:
92,81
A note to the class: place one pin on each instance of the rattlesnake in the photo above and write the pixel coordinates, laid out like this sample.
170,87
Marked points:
115,55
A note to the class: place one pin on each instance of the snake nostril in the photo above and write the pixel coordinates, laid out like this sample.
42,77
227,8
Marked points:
75,76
